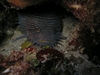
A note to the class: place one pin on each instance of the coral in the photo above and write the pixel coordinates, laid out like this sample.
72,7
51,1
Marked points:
15,64
88,12
77,8
84,10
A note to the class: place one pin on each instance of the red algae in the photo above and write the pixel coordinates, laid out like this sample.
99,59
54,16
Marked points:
48,54
30,49
74,42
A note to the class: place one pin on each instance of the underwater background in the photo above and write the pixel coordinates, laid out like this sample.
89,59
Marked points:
49,37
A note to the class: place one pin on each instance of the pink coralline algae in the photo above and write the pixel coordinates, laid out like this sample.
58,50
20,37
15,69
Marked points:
15,56
30,49
20,68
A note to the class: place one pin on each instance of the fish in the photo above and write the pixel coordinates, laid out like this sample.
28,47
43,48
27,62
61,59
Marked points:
43,29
